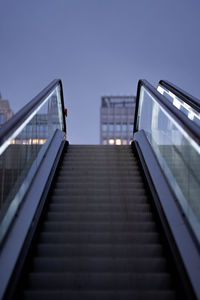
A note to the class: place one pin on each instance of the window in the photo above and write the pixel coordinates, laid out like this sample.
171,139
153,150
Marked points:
118,127
104,142
118,142
2,118
111,141
124,127
131,127
111,127
104,127
124,142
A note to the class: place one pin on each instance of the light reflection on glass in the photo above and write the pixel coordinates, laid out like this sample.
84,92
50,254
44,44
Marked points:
21,154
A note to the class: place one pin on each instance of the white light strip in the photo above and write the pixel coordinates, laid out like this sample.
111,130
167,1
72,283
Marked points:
160,90
21,127
178,103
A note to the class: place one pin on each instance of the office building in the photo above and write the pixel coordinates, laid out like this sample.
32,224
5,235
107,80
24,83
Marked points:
116,120
5,111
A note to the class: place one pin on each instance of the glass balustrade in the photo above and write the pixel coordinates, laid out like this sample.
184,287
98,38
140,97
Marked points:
22,152
177,153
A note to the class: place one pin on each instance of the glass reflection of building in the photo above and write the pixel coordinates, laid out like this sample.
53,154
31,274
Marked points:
5,111
41,125
116,120
28,146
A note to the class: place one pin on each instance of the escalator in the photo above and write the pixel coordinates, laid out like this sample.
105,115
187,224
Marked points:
99,238
102,222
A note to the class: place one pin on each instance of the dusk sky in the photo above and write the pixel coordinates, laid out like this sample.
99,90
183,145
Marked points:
97,48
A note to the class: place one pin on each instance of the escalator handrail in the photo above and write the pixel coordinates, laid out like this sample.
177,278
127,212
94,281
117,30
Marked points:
181,94
11,125
190,127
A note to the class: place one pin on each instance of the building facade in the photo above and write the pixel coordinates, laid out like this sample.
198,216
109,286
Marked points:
116,120
5,111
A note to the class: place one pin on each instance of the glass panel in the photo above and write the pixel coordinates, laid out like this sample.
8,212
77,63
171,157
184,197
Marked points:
21,154
191,113
177,153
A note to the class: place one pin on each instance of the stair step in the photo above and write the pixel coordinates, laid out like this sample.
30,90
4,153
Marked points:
99,217
104,238
98,207
100,163
105,281
104,184
99,192
135,198
99,173
114,294
106,264
118,227
98,179
92,250
99,167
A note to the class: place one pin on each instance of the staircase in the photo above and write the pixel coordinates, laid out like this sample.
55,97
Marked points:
99,238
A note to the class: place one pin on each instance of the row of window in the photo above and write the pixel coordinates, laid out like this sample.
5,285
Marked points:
116,141
117,127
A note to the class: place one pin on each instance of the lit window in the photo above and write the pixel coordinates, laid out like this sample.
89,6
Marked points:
105,142
42,141
111,141
124,142
34,141
118,142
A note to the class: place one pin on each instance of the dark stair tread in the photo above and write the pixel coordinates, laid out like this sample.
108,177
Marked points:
153,281
106,264
136,198
118,227
115,294
131,250
99,193
104,238
99,207
106,185
99,217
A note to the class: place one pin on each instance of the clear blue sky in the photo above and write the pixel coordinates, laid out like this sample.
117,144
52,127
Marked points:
97,47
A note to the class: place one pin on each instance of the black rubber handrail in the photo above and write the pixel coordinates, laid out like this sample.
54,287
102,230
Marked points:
190,127
10,127
181,94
